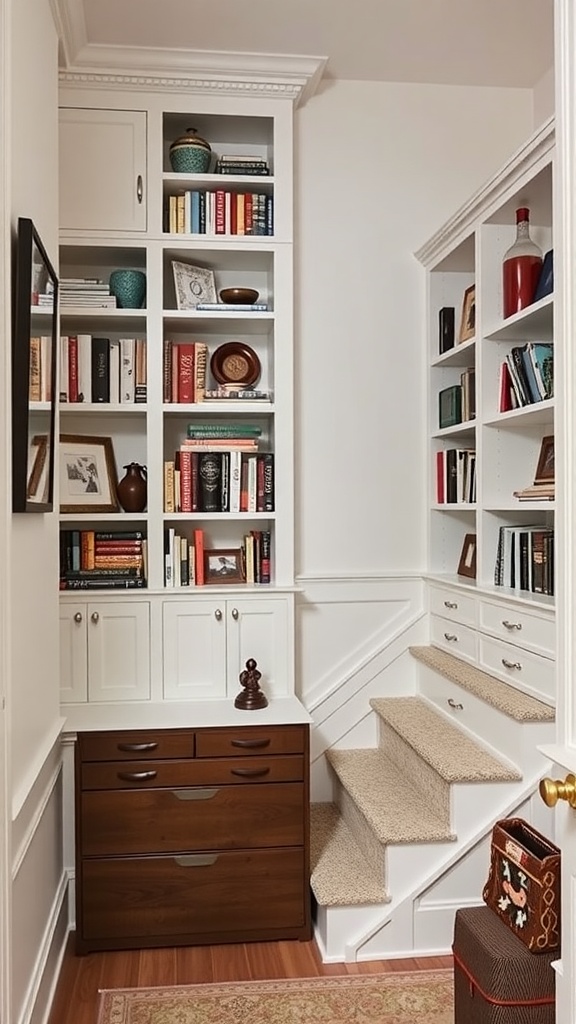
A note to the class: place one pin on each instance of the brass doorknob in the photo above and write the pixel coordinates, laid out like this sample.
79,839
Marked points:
553,790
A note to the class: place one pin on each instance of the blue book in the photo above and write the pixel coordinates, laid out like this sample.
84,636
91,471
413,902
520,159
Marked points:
195,212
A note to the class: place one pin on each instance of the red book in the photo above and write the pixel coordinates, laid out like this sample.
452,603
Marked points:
220,212
199,557
186,372
440,478
233,215
185,481
244,485
505,388
73,369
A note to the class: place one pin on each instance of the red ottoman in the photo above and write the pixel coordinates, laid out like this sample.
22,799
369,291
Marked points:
497,980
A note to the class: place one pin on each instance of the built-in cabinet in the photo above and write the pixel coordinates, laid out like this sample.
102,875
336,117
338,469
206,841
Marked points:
105,651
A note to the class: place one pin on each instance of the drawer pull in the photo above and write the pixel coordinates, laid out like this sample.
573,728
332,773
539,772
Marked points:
511,625
511,664
136,776
196,860
451,637
136,748
450,604
195,794
250,744
453,704
249,773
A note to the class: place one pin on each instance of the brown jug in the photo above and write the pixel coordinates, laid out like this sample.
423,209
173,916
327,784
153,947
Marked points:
133,488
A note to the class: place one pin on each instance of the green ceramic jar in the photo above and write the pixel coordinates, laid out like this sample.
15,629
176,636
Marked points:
190,154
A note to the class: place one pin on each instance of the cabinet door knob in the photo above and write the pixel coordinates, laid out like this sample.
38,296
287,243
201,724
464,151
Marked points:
95,617
78,617
553,790
512,664
511,625
218,615
450,604
450,637
235,613
139,188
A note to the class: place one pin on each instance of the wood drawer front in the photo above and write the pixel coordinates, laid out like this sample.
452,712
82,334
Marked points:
136,744
453,605
453,637
195,896
207,772
526,629
122,822
528,672
249,741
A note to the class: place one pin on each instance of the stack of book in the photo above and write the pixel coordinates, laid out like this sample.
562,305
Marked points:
93,560
109,370
537,492
525,558
84,291
527,375
242,163
184,371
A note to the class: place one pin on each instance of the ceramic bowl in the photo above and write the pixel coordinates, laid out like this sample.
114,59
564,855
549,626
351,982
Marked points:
240,295
129,287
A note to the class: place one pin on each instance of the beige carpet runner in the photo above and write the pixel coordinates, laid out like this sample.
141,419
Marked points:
394,998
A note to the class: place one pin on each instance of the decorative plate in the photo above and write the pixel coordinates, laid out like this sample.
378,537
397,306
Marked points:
235,363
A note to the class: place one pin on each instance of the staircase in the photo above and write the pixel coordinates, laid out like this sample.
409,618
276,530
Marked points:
405,840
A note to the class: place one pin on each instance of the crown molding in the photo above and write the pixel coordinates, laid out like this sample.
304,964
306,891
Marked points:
272,76
70,26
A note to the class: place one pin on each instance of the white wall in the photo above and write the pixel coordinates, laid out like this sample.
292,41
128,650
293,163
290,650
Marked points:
379,167
544,105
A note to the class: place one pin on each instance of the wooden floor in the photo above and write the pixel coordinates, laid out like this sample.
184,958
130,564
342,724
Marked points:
76,998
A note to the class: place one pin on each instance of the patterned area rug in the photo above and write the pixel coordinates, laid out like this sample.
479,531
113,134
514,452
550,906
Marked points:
422,997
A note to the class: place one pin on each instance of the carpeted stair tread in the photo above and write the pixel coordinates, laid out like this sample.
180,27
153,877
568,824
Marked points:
512,702
395,811
454,755
340,874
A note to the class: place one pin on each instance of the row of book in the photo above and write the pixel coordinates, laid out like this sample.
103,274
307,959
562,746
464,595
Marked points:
188,562
527,375
233,480
456,475
184,371
40,370
98,560
219,212
525,558
108,370
457,403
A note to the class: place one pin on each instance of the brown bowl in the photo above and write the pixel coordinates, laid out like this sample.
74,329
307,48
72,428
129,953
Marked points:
241,295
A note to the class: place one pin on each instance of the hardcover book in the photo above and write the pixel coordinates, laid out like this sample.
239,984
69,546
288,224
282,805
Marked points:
450,406
446,336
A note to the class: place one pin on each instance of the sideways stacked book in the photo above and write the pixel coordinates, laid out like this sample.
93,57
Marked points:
84,291
108,370
527,375
218,468
525,558
242,164
98,560
537,492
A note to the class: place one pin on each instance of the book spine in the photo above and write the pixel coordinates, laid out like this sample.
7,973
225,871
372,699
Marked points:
35,385
137,583
268,470
234,483
141,381
119,535
127,369
169,503
167,373
100,370
265,561
112,547
186,482
200,361
114,364
220,212
199,557
72,368
185,373
64,369
210,476
85,356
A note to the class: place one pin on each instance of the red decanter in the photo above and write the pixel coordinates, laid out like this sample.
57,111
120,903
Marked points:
521,268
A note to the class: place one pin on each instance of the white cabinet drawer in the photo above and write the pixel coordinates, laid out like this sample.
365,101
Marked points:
522,669
454,637
516,625
453,604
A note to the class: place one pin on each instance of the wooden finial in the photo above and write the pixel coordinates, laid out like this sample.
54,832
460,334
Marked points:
251,697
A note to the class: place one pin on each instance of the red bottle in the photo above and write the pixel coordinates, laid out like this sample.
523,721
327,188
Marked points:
521,268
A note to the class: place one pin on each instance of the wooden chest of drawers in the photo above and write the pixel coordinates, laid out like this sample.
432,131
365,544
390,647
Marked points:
191,836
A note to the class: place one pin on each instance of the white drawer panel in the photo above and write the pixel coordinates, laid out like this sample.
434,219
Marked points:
528,672
453,604
534,631
454,637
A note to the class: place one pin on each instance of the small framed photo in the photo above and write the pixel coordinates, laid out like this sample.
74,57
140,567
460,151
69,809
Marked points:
468,317
224,565
545,467
88,478
467,563
194,285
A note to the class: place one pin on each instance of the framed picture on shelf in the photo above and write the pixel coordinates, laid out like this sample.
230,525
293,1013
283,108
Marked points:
545,467
467,563
468,316
88,477
193,285
224,566
37,484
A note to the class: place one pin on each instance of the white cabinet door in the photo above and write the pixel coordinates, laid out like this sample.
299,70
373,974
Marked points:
194,634
259,629
102,170
73,654
118,651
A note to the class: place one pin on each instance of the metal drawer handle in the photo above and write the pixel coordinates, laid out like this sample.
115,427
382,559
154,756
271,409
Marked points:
511,625
136,748
450,604
139,188
511,664
194,794
249,773
453,704
196,860
136,776
250,744
450,636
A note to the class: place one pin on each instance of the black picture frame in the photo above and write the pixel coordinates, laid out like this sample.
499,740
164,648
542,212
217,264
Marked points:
34,356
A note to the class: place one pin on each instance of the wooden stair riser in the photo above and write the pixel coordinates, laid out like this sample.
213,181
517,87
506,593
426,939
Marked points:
414,771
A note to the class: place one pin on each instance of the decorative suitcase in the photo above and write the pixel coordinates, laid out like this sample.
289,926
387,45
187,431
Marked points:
497,980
